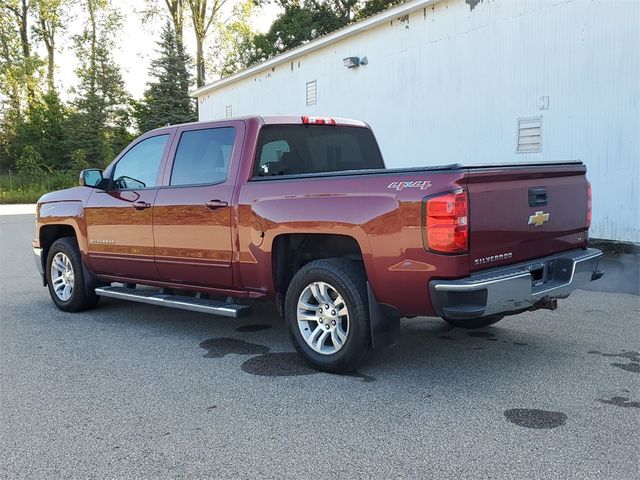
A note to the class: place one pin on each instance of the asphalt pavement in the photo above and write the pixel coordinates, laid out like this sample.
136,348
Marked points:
135,391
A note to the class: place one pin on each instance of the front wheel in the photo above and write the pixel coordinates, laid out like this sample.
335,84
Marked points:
472,323
65,277
326,314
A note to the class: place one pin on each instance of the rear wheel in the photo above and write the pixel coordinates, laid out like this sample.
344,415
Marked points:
65,277
472,323
326,314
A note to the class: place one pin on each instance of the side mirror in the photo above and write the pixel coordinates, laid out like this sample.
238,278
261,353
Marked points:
91,177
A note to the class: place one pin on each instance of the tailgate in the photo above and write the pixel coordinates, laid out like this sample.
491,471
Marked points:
518,213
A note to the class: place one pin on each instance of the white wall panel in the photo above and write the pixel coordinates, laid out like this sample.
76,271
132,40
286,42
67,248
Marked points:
449,85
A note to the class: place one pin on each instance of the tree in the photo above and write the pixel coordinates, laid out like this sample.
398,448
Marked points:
203,15
19,10
11,89
49,22
44,133
371,7
175,9
166,99
301,22
233,47
102,106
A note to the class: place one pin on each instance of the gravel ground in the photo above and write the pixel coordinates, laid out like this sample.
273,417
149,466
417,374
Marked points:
128,390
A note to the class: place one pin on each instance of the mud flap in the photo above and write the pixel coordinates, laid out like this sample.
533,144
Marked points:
384,323
91,281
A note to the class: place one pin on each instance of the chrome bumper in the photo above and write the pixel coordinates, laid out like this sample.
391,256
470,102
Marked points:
505,290
37,255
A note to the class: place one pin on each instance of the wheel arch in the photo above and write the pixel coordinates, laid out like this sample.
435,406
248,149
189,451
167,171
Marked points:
51,232
291,251
58,219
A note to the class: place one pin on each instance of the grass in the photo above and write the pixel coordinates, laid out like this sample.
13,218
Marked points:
29,188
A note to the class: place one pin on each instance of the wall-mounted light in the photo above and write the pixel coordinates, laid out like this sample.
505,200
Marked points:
353,62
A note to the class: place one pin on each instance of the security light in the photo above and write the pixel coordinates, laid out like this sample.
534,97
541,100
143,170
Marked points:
353,62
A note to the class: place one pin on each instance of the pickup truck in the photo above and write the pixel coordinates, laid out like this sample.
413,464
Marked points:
212,216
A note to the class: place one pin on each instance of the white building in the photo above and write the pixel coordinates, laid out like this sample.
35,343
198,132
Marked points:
452,81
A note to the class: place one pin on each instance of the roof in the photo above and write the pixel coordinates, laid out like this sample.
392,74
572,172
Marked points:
333,37
266,120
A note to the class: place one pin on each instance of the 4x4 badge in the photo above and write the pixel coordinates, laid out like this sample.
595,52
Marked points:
421,184
538,218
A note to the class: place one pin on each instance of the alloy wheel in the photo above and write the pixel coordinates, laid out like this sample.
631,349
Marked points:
323,318
62,276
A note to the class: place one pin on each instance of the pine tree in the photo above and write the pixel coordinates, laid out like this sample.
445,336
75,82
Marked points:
166,100
101,118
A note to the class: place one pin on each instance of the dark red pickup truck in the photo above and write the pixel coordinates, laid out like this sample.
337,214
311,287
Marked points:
302,210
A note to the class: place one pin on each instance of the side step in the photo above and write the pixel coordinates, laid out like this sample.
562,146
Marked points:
154,297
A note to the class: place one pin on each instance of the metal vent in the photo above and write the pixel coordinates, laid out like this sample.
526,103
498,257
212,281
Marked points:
312,93
529,134
227,111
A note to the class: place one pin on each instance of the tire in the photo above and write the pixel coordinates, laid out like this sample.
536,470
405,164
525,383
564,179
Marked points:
473,323
66,254
343,327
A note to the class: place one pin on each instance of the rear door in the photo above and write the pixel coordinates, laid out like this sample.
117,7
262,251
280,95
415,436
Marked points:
520,213
120,220
192,213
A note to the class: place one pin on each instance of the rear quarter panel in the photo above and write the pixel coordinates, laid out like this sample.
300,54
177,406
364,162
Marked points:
385,221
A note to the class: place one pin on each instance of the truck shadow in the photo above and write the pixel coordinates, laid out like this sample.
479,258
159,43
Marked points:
430,351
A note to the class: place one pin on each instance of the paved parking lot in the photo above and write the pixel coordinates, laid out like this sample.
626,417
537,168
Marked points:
130,390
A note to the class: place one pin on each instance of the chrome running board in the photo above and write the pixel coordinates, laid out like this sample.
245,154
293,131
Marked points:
155,297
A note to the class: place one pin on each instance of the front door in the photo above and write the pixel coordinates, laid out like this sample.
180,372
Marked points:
192,214
120,219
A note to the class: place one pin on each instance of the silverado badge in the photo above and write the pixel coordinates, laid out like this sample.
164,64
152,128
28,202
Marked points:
538,219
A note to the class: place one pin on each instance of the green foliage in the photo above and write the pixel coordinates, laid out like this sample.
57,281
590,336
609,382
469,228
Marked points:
30,162
102,107
49,21
303,21
371,7
233,47
45,142
300,23
28,188
45,131
79,160
11,64
166,100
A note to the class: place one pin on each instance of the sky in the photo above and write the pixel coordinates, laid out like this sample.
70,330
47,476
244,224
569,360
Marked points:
136,44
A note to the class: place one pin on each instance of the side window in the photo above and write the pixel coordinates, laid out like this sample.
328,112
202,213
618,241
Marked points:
203,156
138,168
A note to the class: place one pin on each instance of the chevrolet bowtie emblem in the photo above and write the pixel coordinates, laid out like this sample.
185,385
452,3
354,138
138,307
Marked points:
538,219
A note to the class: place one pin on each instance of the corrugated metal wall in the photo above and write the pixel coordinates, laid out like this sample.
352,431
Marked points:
449,84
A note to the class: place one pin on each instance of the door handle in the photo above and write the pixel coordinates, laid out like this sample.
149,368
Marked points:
141,205
215,204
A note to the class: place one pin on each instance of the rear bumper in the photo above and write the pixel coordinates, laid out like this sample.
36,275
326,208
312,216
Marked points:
506,290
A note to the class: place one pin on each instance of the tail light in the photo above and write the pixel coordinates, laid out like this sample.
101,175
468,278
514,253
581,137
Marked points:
447,223
588,204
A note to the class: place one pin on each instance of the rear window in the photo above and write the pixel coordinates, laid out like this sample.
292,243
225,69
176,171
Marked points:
299,149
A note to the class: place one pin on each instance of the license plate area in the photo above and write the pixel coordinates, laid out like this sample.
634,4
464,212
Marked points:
550,273
539,274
